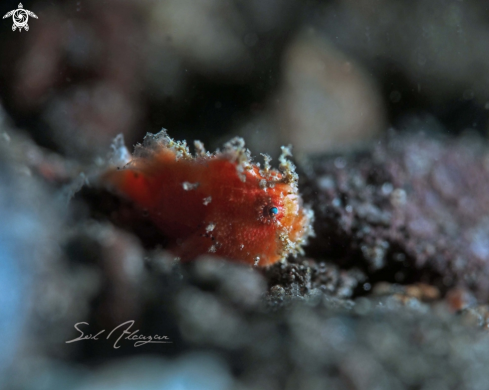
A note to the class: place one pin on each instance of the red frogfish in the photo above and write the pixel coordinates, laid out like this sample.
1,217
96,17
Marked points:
215,203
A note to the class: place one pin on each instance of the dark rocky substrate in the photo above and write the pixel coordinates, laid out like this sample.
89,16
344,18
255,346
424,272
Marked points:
391,294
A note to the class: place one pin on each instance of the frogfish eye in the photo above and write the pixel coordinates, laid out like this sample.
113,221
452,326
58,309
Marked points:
270,211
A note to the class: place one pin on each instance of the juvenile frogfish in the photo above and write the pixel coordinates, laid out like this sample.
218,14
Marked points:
215,203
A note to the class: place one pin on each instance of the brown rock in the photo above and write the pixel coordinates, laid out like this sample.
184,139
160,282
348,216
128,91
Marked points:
327,101
412,209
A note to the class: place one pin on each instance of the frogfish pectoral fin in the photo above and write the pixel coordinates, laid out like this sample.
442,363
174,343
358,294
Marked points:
192,246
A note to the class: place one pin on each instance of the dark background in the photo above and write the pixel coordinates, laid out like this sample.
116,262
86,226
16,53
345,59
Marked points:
88,70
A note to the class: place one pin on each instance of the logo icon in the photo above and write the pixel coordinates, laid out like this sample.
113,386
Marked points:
20,16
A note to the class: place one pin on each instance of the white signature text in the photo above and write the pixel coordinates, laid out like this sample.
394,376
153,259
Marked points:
123,330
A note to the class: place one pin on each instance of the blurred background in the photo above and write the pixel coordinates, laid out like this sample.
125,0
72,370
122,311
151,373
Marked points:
321,75
324,76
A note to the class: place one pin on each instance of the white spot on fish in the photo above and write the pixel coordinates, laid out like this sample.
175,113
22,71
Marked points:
189,186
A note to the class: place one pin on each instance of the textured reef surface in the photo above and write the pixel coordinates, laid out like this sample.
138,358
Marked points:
391,293
411,209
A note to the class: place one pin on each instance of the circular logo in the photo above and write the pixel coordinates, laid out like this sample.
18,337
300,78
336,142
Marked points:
20,18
